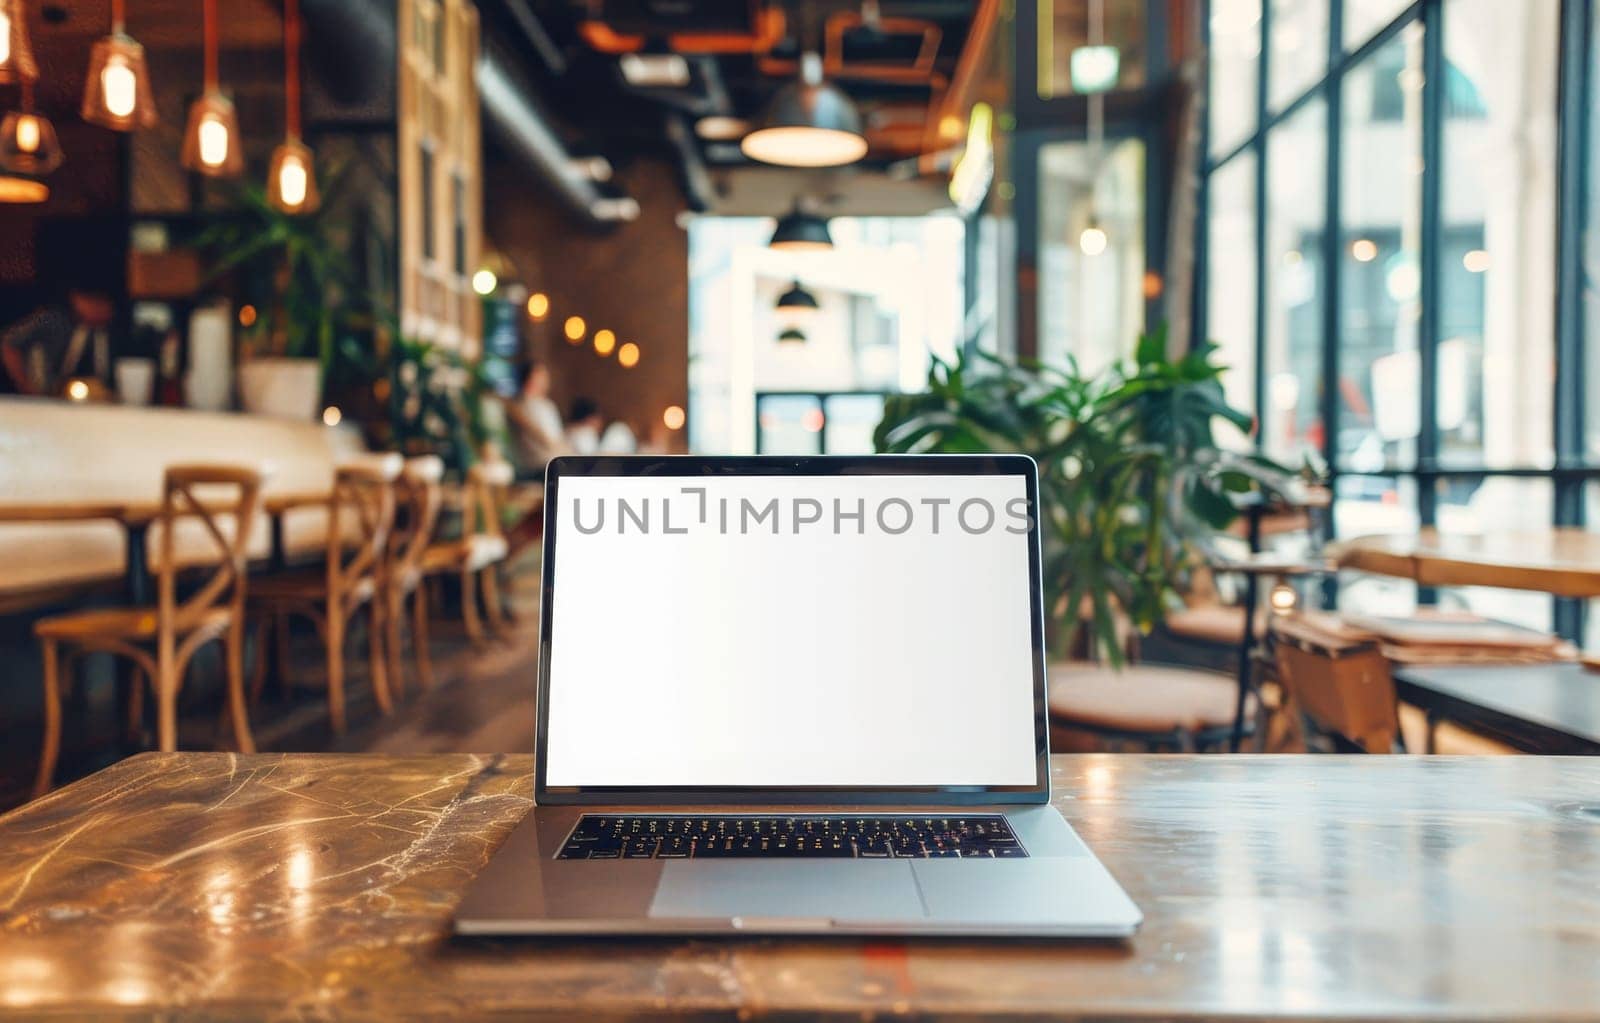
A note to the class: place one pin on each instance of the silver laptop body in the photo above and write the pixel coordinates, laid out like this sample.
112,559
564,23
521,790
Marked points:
793,695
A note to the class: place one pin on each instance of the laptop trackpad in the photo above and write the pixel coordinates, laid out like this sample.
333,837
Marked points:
845,890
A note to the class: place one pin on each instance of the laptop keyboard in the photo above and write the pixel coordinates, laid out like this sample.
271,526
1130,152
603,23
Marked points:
803,836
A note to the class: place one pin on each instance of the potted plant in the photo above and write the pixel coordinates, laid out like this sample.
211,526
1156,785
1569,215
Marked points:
1132,483
293,271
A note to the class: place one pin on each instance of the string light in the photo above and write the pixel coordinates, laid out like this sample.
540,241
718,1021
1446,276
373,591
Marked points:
628,355
604,341
673,417
575,328
538,305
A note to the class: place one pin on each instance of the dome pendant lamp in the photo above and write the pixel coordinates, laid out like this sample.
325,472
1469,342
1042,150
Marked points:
292,179
808,124
16,53
116,94
211,143
797,301
799,231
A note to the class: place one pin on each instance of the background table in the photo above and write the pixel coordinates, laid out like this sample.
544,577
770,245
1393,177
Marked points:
1378,887
1565,562
1541,708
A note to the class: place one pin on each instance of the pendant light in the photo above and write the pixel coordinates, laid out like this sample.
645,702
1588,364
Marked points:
16,53
792,336
799,231
797,301
809,124
211,144
116,94
28,145
292,179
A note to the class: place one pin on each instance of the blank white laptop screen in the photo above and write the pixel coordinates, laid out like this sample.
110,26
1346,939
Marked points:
794,632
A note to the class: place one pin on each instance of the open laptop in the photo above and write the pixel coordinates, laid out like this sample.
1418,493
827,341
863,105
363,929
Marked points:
793,695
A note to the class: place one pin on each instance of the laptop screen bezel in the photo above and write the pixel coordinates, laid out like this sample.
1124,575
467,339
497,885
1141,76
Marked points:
692,466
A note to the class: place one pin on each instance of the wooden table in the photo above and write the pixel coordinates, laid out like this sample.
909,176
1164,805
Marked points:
296,885
1540,708
1564,561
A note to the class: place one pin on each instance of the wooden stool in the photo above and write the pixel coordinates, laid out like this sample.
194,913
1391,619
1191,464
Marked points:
161,640
1156,705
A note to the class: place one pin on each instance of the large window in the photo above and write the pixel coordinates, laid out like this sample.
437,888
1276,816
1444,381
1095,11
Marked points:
1382,246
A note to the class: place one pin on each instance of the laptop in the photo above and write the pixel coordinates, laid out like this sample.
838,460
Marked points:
793,696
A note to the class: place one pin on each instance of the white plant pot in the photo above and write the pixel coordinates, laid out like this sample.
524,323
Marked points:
284,388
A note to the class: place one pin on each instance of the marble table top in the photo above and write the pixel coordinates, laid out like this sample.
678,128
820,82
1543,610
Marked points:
242,887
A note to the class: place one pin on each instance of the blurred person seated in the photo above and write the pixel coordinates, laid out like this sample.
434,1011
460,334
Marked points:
536,429
584,423
619,439
59,341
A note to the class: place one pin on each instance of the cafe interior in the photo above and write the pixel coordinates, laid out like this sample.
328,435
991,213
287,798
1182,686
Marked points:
1289,299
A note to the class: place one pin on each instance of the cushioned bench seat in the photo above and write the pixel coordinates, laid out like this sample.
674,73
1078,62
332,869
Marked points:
54,452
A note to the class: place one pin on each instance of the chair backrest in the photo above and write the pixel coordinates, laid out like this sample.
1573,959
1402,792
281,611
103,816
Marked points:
211,494
1341,684
363,491
486,485
417,511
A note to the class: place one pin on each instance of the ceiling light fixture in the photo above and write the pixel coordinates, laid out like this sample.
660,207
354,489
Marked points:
116,93
211,138
792,336
28,146
808,124
16,53
797,301
292,178
721,128
654,70
799,231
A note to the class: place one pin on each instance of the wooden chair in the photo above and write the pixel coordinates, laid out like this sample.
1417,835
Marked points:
349,579
417,499
160,641
476,556
1339,681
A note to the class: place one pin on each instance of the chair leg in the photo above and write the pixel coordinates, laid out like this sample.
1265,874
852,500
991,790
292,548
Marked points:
469,607
494,611
375,656
52,719
236,697
392,617
135,710
166,684
258,664
335,644
419,636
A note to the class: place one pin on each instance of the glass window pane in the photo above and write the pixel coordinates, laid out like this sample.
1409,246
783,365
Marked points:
850,420
1591,637
1370,506
1235,69
1590,263
1502,504
1363,19
1296,161
1497,234
1231,282
1091,286
1379,243
1064,27
789,424
1299,48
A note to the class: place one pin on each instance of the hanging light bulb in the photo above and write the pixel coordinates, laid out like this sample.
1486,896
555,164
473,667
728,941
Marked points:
797,302
28,145
116,92
16,53
1093,240
211,144
292,181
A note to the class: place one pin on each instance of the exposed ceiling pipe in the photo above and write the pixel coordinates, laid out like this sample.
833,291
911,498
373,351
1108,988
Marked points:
533,29
509,111
698,188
